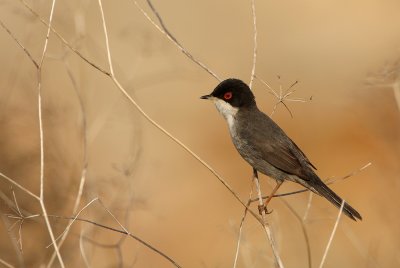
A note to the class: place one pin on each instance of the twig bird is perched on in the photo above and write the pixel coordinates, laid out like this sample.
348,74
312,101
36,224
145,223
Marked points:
264,145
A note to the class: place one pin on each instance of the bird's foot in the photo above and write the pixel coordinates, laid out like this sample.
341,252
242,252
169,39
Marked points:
263,209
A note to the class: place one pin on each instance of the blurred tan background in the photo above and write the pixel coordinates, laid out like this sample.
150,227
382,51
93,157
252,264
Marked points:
341,52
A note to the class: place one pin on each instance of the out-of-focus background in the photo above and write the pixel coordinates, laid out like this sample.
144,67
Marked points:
345,57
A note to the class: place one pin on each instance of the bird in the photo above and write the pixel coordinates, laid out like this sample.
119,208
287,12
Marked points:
265,146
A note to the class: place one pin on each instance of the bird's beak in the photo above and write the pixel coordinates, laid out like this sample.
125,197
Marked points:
206,97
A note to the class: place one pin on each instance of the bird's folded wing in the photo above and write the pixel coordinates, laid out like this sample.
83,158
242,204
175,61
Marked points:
281,152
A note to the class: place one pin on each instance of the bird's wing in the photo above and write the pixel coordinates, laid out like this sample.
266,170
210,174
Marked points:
275,147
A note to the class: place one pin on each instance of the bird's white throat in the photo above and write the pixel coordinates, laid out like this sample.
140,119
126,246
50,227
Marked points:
228,112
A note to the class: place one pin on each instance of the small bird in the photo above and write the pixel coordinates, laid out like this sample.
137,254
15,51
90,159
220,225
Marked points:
264,145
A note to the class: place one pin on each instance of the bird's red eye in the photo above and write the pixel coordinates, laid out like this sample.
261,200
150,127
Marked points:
228,95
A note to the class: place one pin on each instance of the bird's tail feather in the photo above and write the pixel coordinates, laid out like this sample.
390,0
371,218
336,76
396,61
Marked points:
324,190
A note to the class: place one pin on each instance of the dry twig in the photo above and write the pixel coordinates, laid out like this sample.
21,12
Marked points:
253,69
241,227
6,264
265,224
328,246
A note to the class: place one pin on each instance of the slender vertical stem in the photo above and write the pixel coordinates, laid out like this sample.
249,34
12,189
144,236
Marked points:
253,69
265,224
328,246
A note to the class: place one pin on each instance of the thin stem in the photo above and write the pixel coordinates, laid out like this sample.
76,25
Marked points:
74,219
20,44
85,162
265,224
304,229
19,186
6,264
82,250
253,69
241,228
41,136
328,246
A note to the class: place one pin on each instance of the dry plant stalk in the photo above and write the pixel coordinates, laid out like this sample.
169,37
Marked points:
328,246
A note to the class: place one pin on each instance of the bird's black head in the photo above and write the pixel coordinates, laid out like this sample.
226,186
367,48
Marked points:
233,91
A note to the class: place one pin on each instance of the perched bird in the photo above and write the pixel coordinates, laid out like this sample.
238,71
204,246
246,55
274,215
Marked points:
264,145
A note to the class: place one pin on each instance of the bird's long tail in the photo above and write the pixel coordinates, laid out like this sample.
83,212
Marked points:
323,190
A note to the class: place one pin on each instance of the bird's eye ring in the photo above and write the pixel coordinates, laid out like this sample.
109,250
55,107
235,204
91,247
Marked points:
228,95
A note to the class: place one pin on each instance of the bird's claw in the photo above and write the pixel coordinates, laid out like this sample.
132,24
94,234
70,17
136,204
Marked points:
263,208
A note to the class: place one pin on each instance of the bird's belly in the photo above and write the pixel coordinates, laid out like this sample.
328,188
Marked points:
254,158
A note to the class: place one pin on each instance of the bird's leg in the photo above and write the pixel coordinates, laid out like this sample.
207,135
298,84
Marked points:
261,207
278,184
